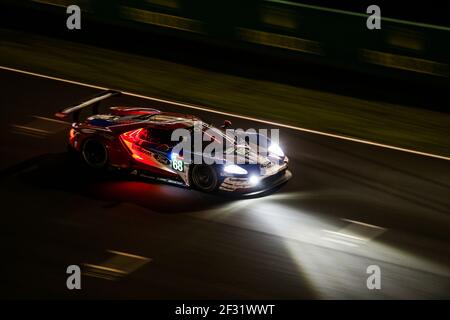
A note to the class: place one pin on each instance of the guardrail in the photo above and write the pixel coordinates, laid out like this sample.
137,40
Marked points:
281,27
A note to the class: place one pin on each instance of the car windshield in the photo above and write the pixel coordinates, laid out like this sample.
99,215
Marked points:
211,132
159,136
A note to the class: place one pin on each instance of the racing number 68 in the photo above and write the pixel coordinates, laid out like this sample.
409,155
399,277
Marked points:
177,164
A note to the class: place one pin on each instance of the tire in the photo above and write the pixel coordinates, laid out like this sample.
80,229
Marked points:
94,154
204,178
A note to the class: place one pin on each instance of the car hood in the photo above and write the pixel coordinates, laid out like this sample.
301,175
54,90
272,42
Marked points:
240,154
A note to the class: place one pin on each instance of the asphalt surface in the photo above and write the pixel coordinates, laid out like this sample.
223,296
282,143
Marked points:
348,206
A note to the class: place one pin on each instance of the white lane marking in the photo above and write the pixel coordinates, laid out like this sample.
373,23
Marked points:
358,233
39,131
376,144
363,232
52,120
117,266
364,224
344,235
27,134
39,127
340,242
113,270
120,253
53,78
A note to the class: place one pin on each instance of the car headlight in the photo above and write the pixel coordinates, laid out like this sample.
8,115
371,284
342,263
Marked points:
276,150
234,169
254,180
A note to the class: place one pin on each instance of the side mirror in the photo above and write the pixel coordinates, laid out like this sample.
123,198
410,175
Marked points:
226,124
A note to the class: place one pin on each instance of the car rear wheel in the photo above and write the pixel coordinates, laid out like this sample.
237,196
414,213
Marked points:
94,154
204,178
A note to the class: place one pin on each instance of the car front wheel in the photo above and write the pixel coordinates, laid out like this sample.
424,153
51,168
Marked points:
204,178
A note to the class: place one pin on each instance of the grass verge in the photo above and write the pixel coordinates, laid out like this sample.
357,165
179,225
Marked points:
397,125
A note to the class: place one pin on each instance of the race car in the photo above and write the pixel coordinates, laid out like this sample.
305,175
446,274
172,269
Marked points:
140,140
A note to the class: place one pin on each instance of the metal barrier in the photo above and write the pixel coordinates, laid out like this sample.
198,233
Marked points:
282,27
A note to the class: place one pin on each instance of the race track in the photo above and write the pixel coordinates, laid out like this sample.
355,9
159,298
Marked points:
348,206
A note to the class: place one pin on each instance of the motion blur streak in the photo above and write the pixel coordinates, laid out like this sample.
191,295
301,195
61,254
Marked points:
234,115
395,205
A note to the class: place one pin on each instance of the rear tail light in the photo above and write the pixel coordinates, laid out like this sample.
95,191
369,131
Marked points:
133,141
71,134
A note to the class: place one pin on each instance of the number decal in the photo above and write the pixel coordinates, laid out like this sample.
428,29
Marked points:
178,165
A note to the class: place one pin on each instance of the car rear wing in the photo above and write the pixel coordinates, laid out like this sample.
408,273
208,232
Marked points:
92,102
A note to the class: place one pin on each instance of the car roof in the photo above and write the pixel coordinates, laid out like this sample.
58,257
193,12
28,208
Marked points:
171,120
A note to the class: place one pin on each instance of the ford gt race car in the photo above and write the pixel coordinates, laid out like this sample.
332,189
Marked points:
140,141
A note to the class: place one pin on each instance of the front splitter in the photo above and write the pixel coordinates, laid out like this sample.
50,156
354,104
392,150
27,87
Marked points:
264,187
